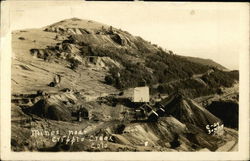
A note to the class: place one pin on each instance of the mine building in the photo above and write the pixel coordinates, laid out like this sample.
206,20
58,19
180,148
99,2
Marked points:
144,111
138,99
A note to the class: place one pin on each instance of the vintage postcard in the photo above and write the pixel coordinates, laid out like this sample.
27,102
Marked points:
143,80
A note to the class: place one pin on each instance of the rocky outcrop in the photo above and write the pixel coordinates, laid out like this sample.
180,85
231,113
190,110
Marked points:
101,62
51,111
55,107
62,30
117,38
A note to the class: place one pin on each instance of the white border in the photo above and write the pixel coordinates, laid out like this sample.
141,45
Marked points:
242,154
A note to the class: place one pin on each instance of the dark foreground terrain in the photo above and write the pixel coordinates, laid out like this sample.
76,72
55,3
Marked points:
71,91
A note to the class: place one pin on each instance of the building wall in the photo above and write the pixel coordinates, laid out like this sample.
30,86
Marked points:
141,94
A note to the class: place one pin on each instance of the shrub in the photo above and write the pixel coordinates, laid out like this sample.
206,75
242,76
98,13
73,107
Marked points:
74,63
160,89
21,38
109,80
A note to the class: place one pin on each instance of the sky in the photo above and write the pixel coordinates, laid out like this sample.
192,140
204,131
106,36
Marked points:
199,30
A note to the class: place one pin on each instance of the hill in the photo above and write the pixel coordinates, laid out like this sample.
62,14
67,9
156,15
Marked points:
129,60
72,75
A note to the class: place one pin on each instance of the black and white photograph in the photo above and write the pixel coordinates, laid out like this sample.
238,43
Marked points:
127,77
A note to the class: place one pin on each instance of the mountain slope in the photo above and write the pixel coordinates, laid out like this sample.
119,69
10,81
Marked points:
139,61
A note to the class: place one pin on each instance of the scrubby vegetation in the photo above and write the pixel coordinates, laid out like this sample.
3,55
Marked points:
163,68
169,67
221,78
144,62
207,84
155,67
74,64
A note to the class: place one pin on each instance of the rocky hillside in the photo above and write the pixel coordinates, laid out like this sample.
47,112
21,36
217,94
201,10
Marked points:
72,76
130,60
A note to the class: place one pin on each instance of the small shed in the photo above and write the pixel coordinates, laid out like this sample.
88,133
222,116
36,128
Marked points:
141,94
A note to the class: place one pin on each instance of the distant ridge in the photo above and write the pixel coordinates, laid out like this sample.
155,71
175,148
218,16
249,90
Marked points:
208,62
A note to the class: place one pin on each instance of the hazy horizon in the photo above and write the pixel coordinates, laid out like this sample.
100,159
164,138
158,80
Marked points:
205,32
